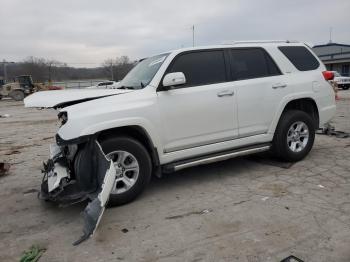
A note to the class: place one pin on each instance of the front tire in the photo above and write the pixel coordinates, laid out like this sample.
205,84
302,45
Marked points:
132,157
294,136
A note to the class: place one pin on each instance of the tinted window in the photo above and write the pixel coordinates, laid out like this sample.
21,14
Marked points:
252,63
300,57
201,68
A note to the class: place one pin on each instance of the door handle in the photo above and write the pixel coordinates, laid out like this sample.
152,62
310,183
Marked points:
225,93
279,85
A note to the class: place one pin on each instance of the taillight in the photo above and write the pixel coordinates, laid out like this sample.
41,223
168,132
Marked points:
328,75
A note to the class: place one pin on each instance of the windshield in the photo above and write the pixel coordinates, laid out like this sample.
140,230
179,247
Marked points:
142,74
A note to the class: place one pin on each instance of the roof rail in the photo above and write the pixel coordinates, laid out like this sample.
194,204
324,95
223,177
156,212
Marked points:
259,41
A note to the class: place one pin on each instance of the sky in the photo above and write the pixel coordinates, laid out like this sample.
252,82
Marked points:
84,33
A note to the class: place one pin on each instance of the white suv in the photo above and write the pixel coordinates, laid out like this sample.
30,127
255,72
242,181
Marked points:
183,108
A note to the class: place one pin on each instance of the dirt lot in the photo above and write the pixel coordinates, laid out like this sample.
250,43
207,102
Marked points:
245,209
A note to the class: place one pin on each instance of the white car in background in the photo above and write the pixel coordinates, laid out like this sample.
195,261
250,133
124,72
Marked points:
105,85
342,81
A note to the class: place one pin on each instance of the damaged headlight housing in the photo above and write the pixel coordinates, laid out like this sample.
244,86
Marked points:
62,117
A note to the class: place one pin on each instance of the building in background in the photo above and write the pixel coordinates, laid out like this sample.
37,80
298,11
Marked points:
335,56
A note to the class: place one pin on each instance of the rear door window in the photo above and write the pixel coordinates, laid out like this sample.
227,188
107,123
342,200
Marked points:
252,63
300,57
201,68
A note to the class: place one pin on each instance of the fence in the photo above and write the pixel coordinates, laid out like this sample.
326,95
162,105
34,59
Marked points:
78,84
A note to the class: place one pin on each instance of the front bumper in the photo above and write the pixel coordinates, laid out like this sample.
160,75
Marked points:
64,184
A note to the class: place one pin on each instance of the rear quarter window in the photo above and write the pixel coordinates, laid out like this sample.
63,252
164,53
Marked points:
300,57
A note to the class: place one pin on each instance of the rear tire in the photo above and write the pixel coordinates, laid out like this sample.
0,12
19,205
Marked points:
17,95
138,156
289,143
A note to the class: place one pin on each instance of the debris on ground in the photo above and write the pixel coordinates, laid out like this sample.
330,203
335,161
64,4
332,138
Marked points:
13,152
4,168
205,211
320,186
30,191
125,230
33,254
265,198
4,116
292,259
329,130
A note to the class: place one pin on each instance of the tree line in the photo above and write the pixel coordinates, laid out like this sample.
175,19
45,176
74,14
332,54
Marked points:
44,70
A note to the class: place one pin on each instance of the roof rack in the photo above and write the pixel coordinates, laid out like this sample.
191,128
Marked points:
259,41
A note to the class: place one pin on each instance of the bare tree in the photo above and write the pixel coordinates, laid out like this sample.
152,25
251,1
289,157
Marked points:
43,70
117,68
109,65
51,66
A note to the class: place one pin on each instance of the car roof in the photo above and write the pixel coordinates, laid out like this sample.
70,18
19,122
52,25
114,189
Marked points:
232,44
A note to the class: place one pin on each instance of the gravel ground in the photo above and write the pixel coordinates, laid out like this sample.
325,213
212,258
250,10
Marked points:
245,209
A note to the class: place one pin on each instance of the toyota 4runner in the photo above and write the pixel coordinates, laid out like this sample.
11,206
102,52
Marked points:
179,109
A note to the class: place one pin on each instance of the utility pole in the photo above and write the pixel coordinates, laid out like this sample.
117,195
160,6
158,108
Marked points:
330,34
193,35
112,71
5,63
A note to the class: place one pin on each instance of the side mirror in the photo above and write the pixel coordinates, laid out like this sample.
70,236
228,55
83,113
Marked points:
174,79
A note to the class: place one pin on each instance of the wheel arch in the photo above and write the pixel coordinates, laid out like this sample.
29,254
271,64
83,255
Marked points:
138,133
305,104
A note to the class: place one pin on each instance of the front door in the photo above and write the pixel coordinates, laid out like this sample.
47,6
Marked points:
203,111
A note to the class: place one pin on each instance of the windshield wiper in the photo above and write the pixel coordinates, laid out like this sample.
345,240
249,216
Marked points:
142,85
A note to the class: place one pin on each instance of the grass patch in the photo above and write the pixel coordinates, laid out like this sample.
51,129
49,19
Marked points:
33,254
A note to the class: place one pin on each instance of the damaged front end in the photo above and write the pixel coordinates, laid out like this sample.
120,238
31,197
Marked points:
75,173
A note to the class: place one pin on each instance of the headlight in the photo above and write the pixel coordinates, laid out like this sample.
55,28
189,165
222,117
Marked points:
62,117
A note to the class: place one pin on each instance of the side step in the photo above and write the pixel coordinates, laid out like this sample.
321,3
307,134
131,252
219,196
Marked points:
202,160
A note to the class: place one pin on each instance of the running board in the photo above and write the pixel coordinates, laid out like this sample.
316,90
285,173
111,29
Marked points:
176,166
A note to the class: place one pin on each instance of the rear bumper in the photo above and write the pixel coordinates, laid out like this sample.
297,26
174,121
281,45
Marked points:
326,114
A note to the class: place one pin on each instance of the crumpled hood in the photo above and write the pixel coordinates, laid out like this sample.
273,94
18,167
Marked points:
62,98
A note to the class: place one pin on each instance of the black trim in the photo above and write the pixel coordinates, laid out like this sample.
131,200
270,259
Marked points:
79,140
69,103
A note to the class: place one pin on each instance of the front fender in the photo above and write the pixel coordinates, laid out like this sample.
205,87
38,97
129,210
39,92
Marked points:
66,133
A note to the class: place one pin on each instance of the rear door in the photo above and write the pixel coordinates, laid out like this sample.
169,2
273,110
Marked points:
203,111
260,87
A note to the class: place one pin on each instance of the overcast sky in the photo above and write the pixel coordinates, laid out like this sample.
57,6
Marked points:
85,33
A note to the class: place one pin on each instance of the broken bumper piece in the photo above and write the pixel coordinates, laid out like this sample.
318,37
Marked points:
64,184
